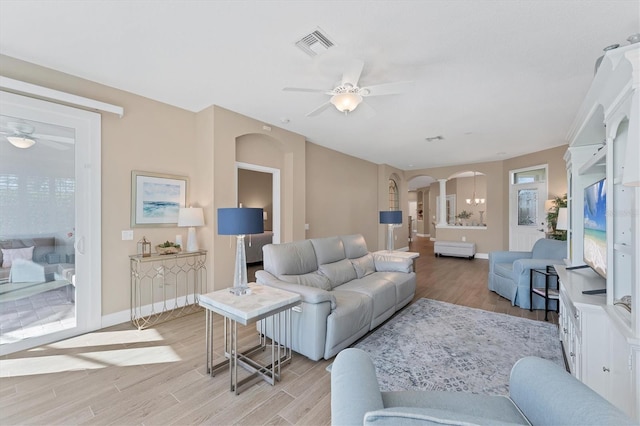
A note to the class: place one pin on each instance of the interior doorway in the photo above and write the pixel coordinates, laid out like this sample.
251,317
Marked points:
271,221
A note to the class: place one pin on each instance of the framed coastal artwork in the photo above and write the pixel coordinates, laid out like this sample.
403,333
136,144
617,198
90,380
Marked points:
156,198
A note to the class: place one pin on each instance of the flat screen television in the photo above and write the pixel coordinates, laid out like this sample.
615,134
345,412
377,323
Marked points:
595,227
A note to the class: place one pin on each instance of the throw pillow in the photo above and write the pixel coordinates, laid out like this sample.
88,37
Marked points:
9,255
364,265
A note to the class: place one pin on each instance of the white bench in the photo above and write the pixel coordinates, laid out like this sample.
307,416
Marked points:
454,248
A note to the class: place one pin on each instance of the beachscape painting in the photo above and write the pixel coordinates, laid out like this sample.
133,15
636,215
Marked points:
157,199
595,227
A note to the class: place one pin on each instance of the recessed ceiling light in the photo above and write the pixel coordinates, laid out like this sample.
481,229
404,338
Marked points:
284,120
434,138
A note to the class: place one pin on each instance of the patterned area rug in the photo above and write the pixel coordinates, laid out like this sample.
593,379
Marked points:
439,346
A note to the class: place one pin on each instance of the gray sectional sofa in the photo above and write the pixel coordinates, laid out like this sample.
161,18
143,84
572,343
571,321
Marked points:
540,393
346,291
46,252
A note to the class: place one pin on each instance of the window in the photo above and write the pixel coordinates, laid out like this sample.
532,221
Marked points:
394,202
529,176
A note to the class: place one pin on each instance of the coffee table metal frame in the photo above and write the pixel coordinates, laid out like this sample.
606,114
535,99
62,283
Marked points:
277,315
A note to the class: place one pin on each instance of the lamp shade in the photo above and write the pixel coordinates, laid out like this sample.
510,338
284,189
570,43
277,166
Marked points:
393,216
561,224
240,221
190,216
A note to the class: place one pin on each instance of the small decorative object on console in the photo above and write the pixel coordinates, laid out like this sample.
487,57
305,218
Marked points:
168,248
144,247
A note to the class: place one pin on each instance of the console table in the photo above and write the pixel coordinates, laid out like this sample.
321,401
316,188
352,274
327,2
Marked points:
165,286
269,304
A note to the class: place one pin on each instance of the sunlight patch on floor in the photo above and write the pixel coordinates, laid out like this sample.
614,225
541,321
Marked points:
87,360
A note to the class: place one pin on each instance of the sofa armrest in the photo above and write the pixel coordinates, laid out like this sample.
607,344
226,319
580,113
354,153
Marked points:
522,267
547,394
390,263
309,294
507,257
354,388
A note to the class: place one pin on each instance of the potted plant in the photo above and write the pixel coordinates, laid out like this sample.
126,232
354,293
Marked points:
552,218
168,248
464,216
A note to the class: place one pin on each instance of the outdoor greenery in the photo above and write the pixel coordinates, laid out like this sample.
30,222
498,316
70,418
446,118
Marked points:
552,218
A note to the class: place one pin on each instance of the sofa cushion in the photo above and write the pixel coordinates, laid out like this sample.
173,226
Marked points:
338,272
354,246
381,292
295,258
549,249
328,250
364,265
350,319
405,416
405,286
11,255
313,279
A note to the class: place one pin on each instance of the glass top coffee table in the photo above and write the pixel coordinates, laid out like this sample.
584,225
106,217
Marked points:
272,307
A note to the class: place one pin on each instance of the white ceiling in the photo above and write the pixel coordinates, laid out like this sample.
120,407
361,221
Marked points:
496,79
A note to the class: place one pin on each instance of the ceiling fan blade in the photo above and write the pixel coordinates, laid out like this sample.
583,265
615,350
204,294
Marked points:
301,89
61,139
366,110
319,109
52,144
352,74
387,88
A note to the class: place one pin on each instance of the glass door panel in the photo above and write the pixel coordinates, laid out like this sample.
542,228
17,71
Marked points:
37,230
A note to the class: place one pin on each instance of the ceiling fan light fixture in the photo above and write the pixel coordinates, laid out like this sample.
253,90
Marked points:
346,102
21,141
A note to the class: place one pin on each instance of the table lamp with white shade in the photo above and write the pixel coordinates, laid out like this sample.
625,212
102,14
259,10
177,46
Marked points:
191,217
240,222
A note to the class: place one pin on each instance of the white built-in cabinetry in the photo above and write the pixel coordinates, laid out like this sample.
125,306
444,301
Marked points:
601,339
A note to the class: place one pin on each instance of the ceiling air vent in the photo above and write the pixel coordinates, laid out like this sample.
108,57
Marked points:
315,43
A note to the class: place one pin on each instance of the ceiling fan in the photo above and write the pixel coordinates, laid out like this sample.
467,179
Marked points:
347,96
21,135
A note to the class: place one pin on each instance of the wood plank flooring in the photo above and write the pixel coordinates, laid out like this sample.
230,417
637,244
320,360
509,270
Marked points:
123,376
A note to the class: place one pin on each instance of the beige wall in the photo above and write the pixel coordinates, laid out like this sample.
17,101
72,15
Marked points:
219,133
333,192
341,195
496,176
151,136
486,240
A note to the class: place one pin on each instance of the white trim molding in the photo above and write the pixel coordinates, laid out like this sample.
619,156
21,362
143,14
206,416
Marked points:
56,95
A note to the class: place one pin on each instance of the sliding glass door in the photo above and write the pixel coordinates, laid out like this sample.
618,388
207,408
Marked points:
50,222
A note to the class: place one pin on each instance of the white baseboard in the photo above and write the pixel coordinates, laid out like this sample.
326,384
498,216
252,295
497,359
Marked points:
482,255
125,316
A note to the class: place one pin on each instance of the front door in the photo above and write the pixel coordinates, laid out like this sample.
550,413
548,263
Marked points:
527,218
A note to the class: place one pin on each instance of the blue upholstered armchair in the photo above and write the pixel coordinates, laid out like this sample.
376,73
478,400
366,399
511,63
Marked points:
510,271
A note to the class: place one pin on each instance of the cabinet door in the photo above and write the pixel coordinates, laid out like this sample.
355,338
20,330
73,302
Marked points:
620,380
595,350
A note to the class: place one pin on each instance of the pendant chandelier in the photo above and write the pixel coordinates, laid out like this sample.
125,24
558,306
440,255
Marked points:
474,200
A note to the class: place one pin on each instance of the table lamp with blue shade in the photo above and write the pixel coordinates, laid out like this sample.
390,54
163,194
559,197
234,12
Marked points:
240,222
390,218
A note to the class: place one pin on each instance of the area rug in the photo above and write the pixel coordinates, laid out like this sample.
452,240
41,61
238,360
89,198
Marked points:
439,346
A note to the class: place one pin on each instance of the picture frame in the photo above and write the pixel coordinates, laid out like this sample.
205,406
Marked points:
156,198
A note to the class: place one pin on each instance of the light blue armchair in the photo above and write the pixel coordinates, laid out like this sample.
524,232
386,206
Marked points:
510,271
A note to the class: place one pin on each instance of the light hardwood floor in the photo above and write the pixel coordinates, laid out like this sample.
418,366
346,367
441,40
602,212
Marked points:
123,376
